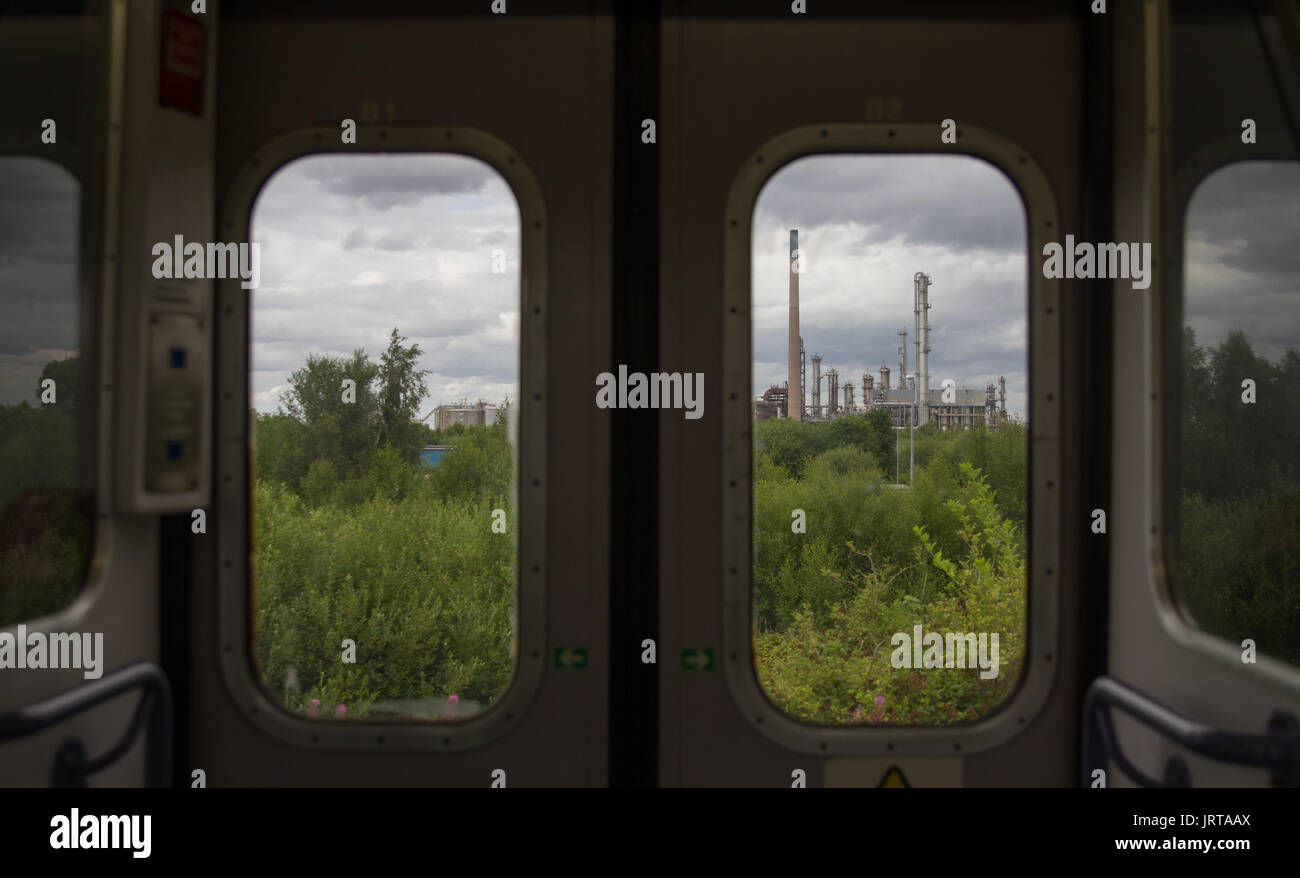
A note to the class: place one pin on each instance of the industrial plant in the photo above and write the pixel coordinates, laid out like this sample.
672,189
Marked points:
467,414
911,401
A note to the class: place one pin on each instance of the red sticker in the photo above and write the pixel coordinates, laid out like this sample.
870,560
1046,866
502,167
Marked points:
180,82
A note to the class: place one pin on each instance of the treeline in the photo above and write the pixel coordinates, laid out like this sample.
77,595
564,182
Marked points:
1237,570
839,474
874,558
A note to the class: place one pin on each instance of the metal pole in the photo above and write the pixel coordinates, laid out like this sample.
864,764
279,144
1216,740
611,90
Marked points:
897,440
916,411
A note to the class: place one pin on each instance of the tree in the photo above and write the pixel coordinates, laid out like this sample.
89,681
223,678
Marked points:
343,427
401,389
281,442
67,380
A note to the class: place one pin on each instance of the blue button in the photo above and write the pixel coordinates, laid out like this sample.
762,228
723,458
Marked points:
174,451
178,358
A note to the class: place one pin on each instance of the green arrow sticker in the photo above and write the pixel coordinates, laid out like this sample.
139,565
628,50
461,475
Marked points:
570,657
697,659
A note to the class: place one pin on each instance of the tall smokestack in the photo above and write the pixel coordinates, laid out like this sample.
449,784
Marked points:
922,310
817,387
794,401
1002,394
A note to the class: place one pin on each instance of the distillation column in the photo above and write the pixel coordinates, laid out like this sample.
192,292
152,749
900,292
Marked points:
902,359
817,387
922,309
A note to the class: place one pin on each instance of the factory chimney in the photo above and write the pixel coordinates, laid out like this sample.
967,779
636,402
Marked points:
884,377
922,309
794,399
1002,408
817,387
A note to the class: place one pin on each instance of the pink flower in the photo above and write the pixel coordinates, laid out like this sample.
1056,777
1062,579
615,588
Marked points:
314,710
453,698
341,710
880,699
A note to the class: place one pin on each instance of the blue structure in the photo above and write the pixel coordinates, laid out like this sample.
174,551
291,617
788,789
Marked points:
431,455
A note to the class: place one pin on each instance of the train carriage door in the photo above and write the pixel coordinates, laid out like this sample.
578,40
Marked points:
402,582
84,469
871,575
1204,621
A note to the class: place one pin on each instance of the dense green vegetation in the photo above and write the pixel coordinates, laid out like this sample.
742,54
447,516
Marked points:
1237,563
946,552
356,540
44,521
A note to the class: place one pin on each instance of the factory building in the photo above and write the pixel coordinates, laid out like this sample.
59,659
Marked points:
478,414
911,402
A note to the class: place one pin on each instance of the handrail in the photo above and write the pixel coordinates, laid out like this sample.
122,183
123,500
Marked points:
153,712
1278,749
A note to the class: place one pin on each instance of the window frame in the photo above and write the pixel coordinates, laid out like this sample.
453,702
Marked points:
234,465
1167,379
94,161
1044,359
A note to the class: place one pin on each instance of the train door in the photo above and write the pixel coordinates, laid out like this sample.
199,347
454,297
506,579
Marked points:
358,618
1204,687
832,173
82,698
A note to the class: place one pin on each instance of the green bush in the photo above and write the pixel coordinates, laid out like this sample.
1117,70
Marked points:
834,667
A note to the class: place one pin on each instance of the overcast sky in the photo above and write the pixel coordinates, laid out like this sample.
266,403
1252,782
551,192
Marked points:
1242,256
866,225
352,246
38,272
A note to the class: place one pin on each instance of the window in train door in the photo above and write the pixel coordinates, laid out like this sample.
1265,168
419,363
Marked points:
45,523
890,491
1237,550
385,369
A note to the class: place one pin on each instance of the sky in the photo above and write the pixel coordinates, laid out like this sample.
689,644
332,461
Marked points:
866,225
1242,256
353,245
39,204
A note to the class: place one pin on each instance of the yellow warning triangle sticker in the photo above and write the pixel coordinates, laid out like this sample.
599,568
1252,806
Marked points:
893,779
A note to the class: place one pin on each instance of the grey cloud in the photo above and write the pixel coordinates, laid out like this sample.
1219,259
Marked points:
1248,209
404,239
390,180
357,239
954,201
